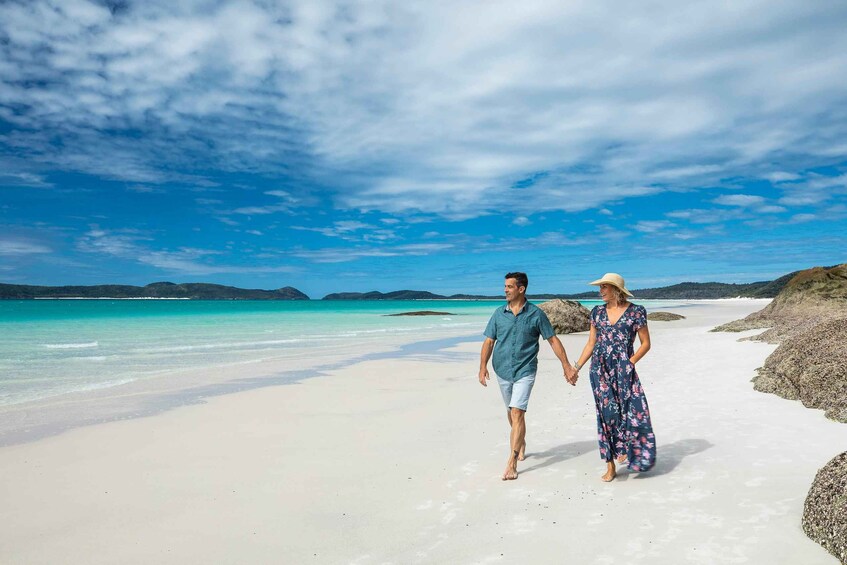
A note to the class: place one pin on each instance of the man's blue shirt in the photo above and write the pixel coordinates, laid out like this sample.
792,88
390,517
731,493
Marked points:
516,337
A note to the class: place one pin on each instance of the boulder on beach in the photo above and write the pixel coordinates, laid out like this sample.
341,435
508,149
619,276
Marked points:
825,510
422,313
663,316
811,366
567,316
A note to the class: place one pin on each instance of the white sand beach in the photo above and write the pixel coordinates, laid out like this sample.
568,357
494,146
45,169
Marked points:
399,461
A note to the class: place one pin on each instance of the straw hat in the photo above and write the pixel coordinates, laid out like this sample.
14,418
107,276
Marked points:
613,279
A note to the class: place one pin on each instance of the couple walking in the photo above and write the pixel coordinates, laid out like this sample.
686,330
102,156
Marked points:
623,419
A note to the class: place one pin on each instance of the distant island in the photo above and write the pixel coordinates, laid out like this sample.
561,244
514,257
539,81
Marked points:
686,290
190,291
205,291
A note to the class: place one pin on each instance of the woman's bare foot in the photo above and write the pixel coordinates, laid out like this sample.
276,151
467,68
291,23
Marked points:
511,472
522,452
621,459
610,472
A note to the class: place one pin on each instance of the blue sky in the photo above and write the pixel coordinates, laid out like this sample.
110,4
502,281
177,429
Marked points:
383,145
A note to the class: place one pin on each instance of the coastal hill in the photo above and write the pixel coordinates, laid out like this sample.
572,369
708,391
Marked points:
205,291
193,291
374,295
686,290
808,296
708,290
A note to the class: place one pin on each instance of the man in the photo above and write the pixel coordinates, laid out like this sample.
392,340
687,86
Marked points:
515,329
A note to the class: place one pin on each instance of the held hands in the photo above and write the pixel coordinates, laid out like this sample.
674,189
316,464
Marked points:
571,375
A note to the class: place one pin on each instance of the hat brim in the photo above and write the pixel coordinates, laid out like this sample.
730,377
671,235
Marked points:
598,282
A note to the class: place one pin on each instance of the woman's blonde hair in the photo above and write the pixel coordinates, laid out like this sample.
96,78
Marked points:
620,295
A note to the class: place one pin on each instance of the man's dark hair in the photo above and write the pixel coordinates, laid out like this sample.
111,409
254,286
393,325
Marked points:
520,278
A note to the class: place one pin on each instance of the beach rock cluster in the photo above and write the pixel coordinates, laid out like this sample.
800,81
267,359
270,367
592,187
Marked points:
567,316
808,319
825,510
811,366
663,316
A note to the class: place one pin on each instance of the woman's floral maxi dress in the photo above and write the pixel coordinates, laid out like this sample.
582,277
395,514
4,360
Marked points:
623,418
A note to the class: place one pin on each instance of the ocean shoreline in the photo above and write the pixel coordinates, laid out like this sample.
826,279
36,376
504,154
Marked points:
173,387
38,419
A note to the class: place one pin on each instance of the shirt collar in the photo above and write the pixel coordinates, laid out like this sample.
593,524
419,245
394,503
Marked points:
508,310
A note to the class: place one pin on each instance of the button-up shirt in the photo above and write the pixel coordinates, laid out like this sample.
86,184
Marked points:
516,337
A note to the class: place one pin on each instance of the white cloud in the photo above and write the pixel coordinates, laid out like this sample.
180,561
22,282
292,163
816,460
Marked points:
739,200
24,179
781,176
653,226
771,209
521,221
132,246
609,101
18,246
704,216
802,218
261,210
343,255
144,189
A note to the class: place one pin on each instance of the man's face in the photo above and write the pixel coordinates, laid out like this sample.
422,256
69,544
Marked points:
513,291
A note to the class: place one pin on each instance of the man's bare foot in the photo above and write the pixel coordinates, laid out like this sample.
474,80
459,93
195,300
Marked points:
511,472
522,452
610,472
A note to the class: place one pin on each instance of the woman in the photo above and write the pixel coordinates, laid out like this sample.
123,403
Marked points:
623,419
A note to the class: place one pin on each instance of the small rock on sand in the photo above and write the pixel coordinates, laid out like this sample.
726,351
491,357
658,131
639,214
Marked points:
422,313
664,316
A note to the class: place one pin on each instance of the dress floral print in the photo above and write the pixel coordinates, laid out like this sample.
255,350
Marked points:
623,418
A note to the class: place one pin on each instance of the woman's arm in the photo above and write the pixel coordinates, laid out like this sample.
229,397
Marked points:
644,338
588,349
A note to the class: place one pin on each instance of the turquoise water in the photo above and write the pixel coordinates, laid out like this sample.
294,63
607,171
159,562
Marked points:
52,347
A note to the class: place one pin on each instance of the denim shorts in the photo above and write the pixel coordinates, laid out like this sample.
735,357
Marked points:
516,394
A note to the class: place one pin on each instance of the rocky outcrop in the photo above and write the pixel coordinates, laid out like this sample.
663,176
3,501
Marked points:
825,510
816,293
567,316
811,366
809,321
663,316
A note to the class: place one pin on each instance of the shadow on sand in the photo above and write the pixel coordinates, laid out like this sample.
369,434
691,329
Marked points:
557,455
672,454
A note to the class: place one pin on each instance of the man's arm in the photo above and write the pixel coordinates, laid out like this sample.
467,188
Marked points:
484,356
559,350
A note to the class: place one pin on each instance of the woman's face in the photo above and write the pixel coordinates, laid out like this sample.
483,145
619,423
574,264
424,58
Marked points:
608,293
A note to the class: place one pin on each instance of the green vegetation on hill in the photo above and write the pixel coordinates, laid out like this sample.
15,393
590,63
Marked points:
204,291
194,291
709,290
374,295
